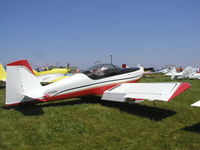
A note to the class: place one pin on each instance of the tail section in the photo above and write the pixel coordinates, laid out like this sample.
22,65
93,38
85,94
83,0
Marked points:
173,72
21,84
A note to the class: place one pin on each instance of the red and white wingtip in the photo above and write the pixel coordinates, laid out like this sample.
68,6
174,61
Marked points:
149,91
182,87
197,104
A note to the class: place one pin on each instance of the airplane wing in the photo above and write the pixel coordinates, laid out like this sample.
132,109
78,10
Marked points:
150,91
196,104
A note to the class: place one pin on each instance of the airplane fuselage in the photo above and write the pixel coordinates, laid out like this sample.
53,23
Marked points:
81,85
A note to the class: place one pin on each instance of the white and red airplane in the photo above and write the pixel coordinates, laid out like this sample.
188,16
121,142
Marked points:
114,83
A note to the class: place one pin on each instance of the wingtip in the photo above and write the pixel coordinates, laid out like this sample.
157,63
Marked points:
182,87
196,104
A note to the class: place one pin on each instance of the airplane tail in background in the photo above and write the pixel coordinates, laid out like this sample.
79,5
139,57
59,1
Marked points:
21,83
173,72
2,73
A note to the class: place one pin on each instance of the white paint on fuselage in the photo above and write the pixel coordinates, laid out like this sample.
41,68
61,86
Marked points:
81,81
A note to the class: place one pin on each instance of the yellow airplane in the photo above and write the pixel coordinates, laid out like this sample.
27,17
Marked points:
52,75
45,77
50,71
2,76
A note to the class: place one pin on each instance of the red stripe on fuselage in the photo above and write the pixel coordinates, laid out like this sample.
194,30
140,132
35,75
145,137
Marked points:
93,91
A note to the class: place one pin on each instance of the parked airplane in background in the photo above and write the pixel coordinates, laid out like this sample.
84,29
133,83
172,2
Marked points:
51,75
114,83
188,72
45,77
165,69
2,76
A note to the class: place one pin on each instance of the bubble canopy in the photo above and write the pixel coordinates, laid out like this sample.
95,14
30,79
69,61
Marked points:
106,70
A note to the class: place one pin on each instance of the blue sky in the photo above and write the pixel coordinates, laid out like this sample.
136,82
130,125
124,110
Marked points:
145,32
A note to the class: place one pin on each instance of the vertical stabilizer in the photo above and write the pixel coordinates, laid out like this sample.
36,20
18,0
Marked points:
173,72
20,83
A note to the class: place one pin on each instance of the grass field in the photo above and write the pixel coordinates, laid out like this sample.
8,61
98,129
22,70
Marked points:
92,124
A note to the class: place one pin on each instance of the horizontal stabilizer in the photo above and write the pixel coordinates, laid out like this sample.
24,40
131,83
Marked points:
196,104
149,91
34,94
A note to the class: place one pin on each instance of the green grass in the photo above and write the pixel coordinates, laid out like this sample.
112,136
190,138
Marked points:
92,124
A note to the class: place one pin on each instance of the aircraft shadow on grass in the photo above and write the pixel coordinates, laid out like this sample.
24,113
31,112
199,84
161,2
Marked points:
193,128
35,109
28,109
152,113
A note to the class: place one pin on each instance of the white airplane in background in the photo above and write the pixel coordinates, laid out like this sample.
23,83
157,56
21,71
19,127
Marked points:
188,72
114,83
165,69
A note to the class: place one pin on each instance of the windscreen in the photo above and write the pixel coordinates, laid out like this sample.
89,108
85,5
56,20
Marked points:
107,70
102,70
